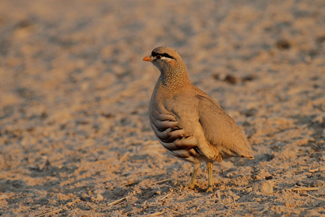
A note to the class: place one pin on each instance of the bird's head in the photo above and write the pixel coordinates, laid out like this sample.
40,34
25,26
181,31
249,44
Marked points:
165,59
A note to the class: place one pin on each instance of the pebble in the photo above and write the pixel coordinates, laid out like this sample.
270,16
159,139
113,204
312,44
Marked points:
99,197
264,187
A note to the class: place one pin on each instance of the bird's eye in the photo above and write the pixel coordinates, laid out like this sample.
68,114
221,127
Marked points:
158,57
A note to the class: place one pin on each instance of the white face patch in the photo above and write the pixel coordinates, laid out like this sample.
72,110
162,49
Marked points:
162,62
166,59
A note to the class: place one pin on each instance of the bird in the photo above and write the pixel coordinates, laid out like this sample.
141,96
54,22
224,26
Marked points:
187,122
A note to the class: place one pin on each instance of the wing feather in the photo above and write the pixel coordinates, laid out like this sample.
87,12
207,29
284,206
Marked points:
171,136
221,130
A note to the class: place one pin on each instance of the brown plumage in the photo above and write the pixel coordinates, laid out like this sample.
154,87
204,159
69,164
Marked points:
187,122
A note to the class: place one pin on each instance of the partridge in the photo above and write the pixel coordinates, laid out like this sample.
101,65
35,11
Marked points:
187,122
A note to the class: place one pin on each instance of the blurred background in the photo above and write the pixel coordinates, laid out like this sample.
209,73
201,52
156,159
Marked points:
74,93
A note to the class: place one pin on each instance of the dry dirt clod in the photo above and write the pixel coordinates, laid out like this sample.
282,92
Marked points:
264,187
99,197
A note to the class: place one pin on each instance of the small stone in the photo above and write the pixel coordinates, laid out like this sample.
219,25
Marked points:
268,177
283,44
267,188
264,187
231,79
99,197
85,197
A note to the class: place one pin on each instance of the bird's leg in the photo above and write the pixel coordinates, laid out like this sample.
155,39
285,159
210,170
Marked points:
209,166
196,169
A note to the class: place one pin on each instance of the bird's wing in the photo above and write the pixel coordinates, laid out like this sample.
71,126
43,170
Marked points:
170,135
220,130
180,129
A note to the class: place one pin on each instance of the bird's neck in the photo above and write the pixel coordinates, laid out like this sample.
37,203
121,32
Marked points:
174,77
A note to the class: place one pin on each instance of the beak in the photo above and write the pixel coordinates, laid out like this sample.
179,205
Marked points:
147,58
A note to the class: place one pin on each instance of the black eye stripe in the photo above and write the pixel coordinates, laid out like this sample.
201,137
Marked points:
163,55
167,55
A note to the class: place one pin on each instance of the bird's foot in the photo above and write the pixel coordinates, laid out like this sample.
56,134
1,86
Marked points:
192,185
209,189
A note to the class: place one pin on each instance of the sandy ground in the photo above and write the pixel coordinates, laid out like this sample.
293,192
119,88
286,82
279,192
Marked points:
75,138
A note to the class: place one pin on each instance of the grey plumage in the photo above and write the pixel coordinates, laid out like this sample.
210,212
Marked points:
186,121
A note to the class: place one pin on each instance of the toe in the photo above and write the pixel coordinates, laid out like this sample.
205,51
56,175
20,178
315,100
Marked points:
209,189
191,186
